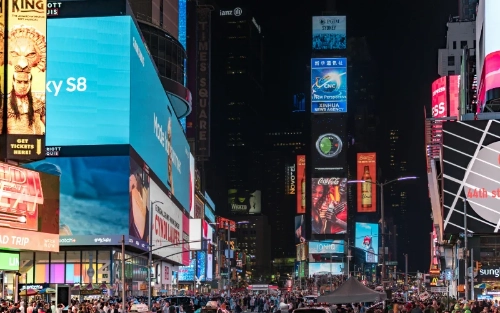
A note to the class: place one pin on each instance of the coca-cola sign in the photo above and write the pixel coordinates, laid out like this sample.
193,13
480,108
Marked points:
330,181
366,157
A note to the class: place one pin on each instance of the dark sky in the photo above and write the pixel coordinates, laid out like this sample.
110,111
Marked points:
404,37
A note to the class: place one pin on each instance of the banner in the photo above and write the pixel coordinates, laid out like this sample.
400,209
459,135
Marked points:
329,33
244,201
454,95
329,205
25,80
301,251
202,104
367,189
329,85
166,273
291,179
192,192
301,184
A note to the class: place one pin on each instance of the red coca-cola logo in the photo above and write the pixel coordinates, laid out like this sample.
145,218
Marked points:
328,181
366,157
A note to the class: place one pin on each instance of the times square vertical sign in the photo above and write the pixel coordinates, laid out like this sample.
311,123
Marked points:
23,66
203,82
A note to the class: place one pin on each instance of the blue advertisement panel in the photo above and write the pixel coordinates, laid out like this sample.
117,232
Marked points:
329,85
329,33
367,240
327,246
209,214
93,191
326,268
209,201
88,81
186,273
155,132
201,270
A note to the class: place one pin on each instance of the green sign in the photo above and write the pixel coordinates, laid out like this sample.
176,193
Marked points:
9,261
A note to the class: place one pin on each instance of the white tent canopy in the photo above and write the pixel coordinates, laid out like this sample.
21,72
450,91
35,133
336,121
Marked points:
352,291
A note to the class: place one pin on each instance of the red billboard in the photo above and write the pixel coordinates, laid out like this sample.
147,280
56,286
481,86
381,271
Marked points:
301,184
454,95
490,78
439,101
367,188
222,223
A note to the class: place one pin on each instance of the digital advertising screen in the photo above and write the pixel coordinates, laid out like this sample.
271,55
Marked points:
301,184
367,240
209,214
301,251
242,201
327,246
210,267
209,202
192,168
329,205
139,198
88,81
25,80
155,132
326,268
29,215
185,240
328,142
470,171
167,224
187,273
300,229
329,33
329,85
201,269
454,95
439,98
367,185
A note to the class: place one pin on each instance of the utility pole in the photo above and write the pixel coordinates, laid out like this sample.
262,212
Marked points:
466,286
472,274
124,295
382,224
406,277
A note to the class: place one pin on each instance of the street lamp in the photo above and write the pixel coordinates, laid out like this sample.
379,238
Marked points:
382,213
150,254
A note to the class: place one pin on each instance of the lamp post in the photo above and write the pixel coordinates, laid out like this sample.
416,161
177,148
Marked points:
150,254
382,213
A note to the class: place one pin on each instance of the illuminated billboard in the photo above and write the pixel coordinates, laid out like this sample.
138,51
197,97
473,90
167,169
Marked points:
329,144
329,205
300,229
454,95
329,85
192,192
326,268
291,179
29,214
326,246
301,251
367,188
329,33
243,201
26,32
470,172
439,98
301,184
367,240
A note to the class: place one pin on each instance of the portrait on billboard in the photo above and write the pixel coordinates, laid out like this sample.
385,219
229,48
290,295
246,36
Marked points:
329,33
328,142
139,202
300,229
92,190
329,85
243,201
329,205
367,240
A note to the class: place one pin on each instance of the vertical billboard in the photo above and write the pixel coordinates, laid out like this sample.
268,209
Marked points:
300,229
454,95
191,185
329,85
202,107
139,182
301,251
329,33
367,240
25,79
329,205
195,234
199,208
243,201
167,224
291,179
439,98
163,146
471,172
29,209
301,184
328,137
367,188
185,240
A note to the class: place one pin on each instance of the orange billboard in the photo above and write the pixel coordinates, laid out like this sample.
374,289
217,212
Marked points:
301,184
367,188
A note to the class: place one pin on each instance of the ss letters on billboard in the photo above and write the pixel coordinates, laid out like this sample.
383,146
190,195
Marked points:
203,94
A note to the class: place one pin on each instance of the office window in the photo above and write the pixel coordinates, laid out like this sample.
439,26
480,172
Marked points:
454,45
451,60
463,44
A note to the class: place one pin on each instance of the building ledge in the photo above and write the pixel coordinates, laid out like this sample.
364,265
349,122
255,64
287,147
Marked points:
179,96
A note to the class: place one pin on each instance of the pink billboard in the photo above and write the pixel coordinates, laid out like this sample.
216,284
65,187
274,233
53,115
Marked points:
454,95
490,78
439,101
185,240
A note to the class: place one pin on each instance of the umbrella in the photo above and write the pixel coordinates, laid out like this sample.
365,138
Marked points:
76,287
89,287
28,292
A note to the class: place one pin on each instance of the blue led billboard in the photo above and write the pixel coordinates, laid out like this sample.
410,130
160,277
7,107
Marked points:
329,85
186,273
367,240
326,246
201,270
326,268
88,81
329,33
155,132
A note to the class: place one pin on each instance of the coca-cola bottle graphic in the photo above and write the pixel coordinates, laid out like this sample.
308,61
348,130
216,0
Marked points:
303,191
366,189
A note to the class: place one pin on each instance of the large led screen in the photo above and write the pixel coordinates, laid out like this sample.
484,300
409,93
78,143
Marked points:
29,214
329,85
439,98
201,269
300,229
329,33
155,132
326,268
187,273
367,240
243,201
366,187
471,172
328,142
326,246
88,81
329,205
454,94
93,191
139,183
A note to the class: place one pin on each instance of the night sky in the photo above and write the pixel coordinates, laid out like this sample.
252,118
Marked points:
404,37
